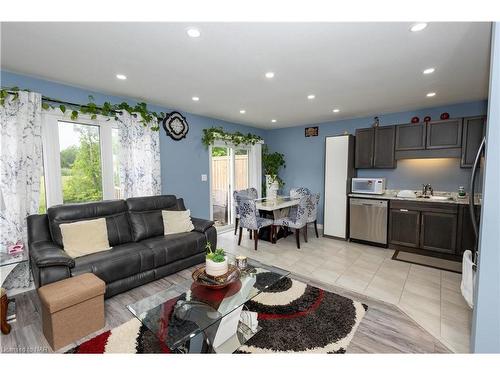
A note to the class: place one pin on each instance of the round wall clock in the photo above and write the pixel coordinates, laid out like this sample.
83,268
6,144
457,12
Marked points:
175,126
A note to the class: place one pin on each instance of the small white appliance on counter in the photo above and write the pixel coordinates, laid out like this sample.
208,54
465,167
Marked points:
368,185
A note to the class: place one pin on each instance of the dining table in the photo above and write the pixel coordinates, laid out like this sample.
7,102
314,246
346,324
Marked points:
275,208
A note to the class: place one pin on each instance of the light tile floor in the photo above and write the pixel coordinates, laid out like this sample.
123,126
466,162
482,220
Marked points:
429,296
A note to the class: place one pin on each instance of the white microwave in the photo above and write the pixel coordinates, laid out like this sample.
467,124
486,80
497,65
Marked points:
368,185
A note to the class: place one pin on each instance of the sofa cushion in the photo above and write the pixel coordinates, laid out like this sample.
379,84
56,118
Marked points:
145,215
167,249
114,211
85,237
118,263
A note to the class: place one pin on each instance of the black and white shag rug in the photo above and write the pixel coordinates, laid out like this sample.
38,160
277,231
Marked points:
295,318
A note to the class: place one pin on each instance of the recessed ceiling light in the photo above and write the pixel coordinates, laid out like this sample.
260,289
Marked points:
273,120
269,75
242,111
429,71
311,96
195,98
431,94
336,110
418,27
193,32
121,76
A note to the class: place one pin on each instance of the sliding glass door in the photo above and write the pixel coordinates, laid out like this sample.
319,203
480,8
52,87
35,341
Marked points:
230,170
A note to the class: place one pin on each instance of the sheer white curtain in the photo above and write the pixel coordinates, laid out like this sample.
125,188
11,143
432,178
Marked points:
139,157
20,165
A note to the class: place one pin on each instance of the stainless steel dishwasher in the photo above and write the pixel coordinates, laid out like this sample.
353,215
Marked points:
368,220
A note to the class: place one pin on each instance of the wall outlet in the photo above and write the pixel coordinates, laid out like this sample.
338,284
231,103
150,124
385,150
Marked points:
204,177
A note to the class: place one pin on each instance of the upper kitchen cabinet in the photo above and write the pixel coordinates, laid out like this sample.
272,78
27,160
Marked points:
383,156
363,157
375,147
410,137
473,132
436,139
444,134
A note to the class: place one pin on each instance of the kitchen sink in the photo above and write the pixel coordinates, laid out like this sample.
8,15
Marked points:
435,198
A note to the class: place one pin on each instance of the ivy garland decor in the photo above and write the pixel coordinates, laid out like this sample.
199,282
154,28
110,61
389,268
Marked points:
210,135
91,108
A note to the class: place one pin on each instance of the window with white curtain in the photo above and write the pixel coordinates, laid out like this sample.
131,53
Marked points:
80,159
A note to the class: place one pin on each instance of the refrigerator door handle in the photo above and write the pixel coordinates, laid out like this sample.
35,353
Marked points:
472,189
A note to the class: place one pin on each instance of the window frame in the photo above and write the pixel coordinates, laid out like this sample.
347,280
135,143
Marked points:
52,154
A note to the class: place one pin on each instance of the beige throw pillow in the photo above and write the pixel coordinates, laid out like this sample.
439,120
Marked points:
177,222
85,237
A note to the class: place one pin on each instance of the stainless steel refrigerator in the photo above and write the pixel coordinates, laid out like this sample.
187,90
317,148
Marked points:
475,178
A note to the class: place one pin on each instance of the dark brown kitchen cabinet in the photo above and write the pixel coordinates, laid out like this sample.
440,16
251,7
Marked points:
410,137
472,135
444,134
375,147
428,228
383,152
438,232
404,227
364,148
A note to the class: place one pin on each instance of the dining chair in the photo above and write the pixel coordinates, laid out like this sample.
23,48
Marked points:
297,192
251,193
312,212
296,220
250,219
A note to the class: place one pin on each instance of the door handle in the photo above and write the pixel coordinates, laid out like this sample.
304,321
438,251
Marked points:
403,210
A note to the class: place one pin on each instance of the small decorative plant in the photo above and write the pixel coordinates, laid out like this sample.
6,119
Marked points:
217,255
215,261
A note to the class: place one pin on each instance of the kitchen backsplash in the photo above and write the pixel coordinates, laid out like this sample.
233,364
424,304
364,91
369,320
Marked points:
442,174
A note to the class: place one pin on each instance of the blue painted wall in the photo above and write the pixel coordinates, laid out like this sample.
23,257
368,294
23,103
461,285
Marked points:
182,163
486,318
305,156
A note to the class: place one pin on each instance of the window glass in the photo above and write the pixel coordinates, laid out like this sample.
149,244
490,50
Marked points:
80,152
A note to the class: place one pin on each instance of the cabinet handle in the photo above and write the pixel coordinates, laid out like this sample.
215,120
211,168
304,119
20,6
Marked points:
403,210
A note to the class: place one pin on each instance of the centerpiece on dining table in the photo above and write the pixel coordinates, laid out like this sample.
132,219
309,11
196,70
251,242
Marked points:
217,273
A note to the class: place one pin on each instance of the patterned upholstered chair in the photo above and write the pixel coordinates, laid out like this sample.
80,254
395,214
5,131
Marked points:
251,193
313,212
297,219
250,219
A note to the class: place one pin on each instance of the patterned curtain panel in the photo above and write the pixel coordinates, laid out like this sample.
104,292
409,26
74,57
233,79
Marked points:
20,165
139,157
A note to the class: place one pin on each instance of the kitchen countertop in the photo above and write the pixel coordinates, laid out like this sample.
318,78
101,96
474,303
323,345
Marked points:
392,195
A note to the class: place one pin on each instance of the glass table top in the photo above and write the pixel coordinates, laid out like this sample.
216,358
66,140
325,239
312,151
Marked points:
8,259
183,311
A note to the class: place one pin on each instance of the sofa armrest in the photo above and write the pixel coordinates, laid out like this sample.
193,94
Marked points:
48,254
201,225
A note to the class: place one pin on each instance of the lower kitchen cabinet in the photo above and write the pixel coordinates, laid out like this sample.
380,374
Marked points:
427,227
404,227
438,232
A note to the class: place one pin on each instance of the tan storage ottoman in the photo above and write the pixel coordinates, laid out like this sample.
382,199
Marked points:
72,308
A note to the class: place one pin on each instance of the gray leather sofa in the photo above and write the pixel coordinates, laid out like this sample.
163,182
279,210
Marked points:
140,252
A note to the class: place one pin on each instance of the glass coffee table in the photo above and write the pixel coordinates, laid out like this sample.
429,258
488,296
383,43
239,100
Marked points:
189,318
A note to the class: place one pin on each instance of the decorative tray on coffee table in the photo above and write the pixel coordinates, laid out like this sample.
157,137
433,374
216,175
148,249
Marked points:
200,277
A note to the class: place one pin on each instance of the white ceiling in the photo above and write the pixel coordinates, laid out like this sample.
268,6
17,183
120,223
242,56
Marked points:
360,68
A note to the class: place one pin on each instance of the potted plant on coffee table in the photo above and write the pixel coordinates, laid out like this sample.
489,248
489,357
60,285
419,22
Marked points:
215,261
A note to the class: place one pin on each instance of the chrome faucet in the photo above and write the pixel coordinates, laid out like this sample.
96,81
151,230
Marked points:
427,188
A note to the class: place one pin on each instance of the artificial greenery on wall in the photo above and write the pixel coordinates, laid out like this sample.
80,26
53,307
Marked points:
210,135
91,108
272,162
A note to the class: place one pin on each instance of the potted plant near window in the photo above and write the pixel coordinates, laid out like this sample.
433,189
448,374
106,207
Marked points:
215,261
272,163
